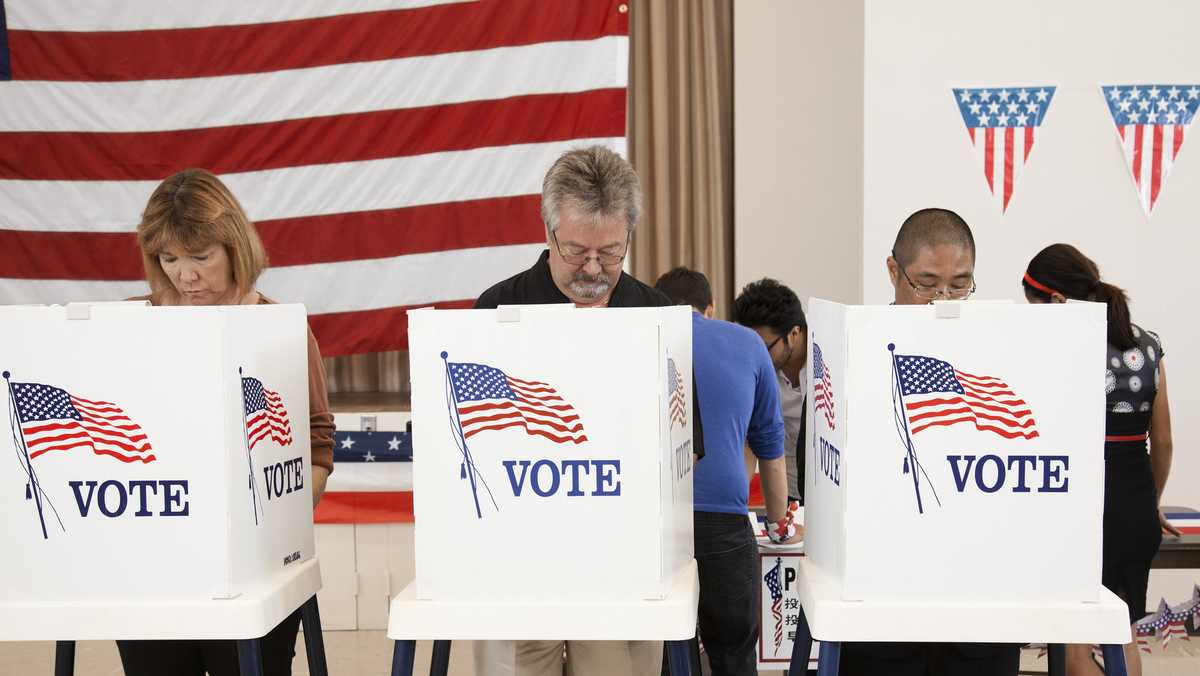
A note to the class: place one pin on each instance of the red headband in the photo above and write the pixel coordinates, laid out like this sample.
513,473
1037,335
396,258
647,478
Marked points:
1040,287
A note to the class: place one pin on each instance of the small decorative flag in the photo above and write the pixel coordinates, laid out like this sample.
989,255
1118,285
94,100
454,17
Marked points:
266,416
53,419
678,398
776,589
1151,120
488,399
935,394
823,387
1001,124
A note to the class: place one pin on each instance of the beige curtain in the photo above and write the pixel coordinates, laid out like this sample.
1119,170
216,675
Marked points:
377,372
681,138
680,129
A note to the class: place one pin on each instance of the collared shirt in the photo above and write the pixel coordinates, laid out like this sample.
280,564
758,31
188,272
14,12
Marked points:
536,286
792,400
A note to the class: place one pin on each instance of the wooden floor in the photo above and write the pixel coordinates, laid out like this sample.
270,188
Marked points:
369,653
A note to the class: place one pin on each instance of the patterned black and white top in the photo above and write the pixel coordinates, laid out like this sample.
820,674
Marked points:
1131,383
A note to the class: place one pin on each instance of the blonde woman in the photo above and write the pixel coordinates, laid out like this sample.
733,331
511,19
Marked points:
198,248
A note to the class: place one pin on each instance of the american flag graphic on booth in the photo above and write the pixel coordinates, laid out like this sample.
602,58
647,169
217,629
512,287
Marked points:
776,588
52,419
1001,124
936,394
266,416
823,387
489,399
677,401
390,152
1151,120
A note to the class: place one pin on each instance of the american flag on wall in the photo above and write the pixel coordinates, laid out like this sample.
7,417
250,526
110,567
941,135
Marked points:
54,420
823,387
1151,120
936,394
488,399
266,416
390,152
1001,123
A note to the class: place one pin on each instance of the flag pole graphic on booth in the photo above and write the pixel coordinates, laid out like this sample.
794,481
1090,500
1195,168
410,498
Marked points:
467,469
912,465
32,489
249,458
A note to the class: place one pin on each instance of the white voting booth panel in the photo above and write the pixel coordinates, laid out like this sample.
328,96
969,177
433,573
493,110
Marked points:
548,464
131,491
956,452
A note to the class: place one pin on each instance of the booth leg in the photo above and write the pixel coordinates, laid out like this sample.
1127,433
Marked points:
1114,660
403,656
250,657
314,642
828,658
439,664
801,647
678,657
1056,656
64,658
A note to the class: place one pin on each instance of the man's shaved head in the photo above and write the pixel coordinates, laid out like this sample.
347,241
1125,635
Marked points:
930,228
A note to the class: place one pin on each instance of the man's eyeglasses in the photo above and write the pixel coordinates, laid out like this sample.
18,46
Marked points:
925,292
773,342
604,258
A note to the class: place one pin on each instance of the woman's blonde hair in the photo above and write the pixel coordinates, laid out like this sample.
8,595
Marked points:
195,210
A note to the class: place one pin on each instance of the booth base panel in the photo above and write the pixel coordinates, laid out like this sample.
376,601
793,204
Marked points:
833,619
670,619
250,615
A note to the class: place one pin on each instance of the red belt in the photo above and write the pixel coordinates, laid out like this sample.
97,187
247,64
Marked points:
1128,437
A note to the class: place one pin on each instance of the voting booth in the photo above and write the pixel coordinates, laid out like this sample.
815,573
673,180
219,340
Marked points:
552,475
158,469
955,474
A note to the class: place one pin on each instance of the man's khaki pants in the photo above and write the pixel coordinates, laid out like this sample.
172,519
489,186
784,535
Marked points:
589,658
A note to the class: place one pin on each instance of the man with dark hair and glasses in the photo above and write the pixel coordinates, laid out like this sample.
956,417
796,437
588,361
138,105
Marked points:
774,312
591,198
933,259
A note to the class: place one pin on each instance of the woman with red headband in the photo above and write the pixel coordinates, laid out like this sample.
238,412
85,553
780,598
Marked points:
1136,410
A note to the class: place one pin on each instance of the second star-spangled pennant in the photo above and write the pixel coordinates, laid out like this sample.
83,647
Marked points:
1151,120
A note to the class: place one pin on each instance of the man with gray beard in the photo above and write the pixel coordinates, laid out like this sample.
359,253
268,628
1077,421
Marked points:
591,200
590,204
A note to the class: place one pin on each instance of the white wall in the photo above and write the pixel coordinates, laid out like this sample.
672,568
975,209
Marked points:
798,146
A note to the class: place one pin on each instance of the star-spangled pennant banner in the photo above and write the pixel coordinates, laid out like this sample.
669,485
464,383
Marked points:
1001,123
1151,120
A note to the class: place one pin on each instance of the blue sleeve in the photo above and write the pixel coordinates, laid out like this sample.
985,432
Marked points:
765,435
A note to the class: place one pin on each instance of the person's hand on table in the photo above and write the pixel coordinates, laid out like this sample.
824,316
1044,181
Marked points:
796,539
1165,523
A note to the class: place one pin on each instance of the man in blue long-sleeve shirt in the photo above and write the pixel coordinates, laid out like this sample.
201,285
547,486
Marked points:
739,404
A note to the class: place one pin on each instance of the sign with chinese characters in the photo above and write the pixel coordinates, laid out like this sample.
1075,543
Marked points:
780,611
